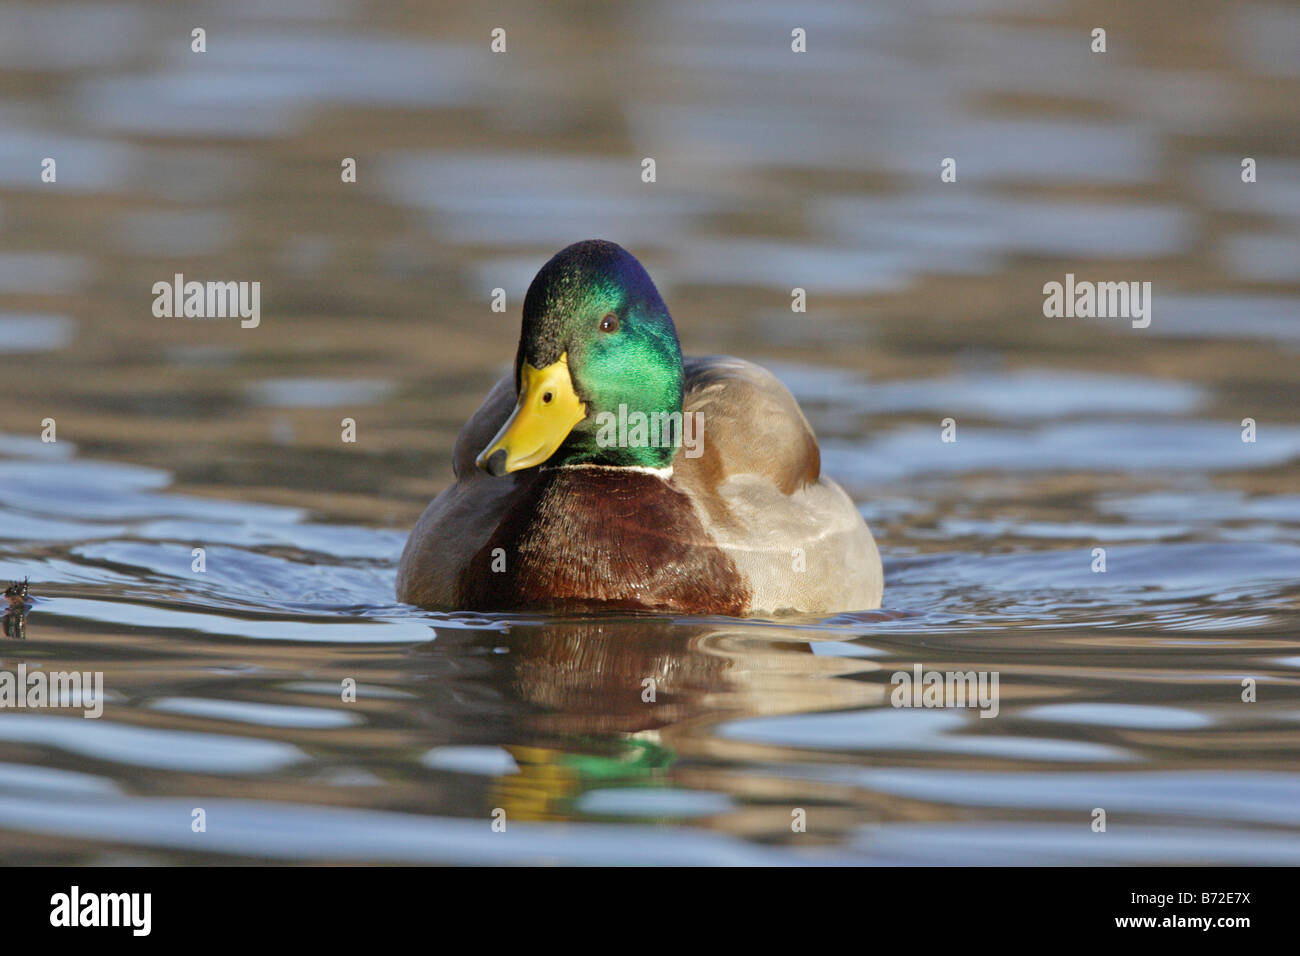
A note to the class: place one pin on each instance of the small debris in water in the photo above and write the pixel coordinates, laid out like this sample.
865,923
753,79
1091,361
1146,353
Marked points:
15,618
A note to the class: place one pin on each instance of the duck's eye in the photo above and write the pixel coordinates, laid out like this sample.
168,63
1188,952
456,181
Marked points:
547,397
609,323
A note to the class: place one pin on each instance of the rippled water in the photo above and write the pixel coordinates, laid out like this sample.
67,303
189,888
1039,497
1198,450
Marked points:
1119,690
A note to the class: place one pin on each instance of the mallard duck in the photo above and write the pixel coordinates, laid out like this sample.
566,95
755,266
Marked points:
608,473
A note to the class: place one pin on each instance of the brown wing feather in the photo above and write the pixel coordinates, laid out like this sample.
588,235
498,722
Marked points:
464,515
482,426
752,425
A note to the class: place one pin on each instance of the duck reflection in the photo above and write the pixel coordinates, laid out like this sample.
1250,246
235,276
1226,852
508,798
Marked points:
594,704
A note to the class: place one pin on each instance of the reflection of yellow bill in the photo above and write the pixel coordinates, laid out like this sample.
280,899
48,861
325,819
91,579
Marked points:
543,789
546,412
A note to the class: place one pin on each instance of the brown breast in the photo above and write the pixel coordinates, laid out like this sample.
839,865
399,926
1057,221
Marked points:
601,538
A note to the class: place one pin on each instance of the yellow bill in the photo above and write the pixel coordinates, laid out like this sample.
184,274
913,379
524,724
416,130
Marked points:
546,412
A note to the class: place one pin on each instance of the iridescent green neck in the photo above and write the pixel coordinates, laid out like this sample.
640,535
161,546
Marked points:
634,408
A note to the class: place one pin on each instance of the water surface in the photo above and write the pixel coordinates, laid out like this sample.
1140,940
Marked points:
1119,690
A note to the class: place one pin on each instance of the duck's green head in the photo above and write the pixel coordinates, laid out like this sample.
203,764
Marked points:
597,347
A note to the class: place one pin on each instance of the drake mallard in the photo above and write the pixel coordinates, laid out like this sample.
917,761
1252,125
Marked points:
609,473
